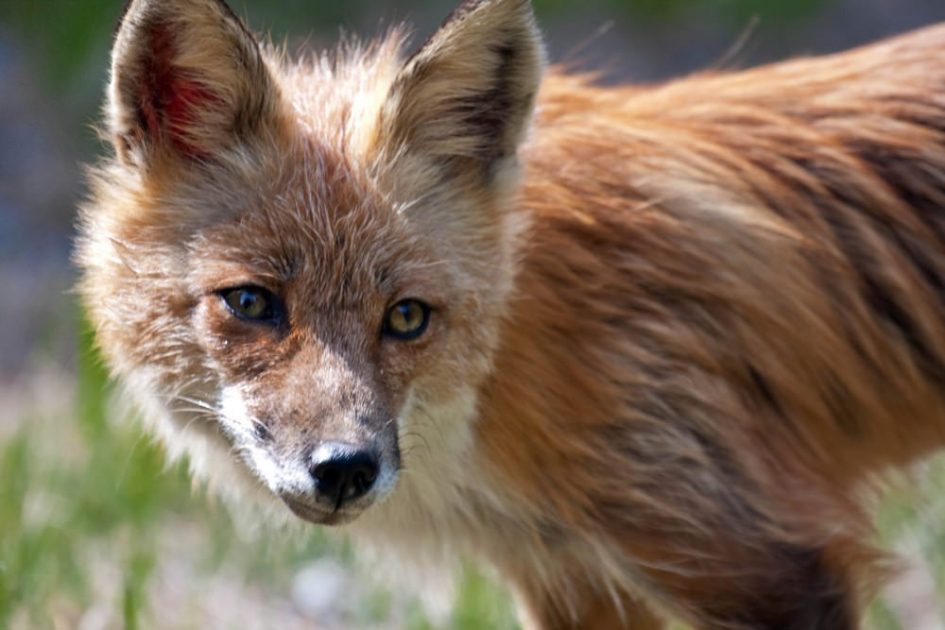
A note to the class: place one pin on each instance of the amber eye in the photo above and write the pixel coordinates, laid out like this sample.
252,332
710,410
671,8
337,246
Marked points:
407,320
252,303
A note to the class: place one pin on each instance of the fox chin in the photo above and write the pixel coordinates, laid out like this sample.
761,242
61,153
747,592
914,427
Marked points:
638,349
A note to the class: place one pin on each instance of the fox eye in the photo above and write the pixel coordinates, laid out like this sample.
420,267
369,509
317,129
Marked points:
252,303
407,320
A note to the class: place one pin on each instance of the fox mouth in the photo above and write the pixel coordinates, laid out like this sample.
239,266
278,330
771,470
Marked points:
320,516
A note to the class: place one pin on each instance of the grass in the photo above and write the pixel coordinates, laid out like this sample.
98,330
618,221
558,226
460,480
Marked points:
82,497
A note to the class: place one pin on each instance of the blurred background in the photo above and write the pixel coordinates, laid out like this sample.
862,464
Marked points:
96,531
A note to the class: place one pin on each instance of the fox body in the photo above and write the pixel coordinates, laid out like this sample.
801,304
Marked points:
643,351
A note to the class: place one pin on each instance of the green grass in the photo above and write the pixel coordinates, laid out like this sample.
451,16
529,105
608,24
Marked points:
69,485
80,489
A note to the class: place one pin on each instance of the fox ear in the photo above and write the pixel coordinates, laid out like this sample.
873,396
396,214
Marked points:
187,79
465,99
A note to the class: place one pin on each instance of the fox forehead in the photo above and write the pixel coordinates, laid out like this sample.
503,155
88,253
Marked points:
337,251
314,219
338,96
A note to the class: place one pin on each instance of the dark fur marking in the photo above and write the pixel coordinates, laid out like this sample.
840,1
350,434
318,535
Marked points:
880,300
487,114
763,388
805,595
875,291
926,200
891,311
895,313
821,601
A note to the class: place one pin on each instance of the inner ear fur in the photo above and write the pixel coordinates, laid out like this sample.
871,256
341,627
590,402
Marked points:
468,94
187,80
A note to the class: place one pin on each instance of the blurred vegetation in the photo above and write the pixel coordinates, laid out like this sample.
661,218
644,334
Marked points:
67,41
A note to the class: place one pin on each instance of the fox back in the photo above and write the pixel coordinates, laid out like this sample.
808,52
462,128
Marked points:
639,349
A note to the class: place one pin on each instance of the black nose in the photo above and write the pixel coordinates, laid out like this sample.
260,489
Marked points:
343,472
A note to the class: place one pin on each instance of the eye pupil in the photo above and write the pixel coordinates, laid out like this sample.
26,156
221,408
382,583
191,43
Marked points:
408,314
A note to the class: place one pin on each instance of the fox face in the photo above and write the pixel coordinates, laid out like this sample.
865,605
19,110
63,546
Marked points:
291,266
318,340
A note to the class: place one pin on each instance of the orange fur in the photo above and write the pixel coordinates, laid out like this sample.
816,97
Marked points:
676,333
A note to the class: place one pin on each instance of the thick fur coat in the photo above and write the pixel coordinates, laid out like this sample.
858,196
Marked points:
674,334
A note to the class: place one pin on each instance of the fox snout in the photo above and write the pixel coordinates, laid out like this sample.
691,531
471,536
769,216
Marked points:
339,481
343,472
326,465
333,481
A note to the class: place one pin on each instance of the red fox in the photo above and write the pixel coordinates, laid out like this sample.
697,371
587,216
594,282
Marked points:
643,351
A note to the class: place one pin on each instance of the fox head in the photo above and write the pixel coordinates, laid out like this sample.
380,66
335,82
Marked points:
299,269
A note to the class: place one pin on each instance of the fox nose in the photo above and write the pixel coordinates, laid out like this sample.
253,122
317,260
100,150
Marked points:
343,472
